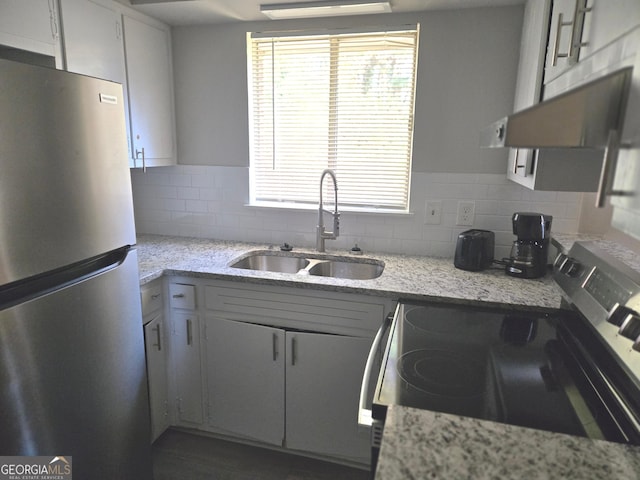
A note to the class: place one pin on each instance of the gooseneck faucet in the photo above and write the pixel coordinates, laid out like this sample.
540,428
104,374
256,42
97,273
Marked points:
321,234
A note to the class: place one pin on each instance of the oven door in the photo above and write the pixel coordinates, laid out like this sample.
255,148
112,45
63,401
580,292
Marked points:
369,384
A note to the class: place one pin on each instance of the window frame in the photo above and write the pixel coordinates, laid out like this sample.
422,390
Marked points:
410,118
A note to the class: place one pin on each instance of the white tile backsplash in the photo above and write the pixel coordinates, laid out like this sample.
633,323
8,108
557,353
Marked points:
210,202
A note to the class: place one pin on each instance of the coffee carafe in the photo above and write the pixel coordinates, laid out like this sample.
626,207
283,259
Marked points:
529,251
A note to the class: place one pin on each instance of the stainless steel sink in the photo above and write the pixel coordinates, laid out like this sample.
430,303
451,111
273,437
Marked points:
272,263
350,270
324,266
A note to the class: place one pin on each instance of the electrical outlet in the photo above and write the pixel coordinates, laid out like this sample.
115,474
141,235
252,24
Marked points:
466,212
433,212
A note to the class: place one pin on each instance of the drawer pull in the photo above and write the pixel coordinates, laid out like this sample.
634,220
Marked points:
179,295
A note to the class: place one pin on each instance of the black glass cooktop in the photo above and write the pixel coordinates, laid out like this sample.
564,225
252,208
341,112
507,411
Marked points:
486,363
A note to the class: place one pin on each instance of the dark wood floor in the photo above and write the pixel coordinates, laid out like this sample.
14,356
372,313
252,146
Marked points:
183,456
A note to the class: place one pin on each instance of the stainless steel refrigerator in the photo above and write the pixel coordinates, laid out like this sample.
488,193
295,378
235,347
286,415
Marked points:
72,362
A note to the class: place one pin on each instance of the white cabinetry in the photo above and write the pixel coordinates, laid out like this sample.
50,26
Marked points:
284,366
108,40
322,389
150,84
30,25
156,351
92,31
245,369
186,353
594,25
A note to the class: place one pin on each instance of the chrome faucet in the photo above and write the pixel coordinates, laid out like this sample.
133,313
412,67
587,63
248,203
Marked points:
321,235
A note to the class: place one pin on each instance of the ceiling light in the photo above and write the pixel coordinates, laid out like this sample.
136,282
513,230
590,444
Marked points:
331,8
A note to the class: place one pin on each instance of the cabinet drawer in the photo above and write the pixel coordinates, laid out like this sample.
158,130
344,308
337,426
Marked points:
151,296
182,296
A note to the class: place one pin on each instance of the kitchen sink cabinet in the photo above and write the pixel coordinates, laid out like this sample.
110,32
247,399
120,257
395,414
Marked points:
245,370
29,26
286,388
284,366
155,339
322,390
185,356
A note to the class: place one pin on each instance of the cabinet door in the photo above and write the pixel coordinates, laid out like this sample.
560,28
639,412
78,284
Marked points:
150,86
186,362
155,344
324,374
30,25
565,36
92,33
245,370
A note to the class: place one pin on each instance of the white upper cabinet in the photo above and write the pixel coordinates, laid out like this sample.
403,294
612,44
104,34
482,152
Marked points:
92,33
30,25
578,32
107,40
150,83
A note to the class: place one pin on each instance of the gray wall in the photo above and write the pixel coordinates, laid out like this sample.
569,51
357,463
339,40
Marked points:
466,78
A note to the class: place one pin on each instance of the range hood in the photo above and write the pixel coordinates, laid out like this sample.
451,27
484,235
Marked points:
580,118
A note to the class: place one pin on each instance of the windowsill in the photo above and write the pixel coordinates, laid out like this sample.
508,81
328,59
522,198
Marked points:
341,209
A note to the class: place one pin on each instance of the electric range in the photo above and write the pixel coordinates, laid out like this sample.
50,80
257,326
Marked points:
573,370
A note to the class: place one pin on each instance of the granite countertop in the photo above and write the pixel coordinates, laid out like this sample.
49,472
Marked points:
447,446
404,276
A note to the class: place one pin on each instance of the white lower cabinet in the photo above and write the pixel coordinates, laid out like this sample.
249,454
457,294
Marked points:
288,388
186,362
323,378
246,382
270,364
155,344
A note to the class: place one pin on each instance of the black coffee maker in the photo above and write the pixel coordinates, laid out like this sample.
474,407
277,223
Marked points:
529,252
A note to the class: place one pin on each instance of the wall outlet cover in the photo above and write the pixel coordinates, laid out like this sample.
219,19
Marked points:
466,213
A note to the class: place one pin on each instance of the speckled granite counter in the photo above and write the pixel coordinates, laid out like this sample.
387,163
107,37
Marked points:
409,277
452,447
617,251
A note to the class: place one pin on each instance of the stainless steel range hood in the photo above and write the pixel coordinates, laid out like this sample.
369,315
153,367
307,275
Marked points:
587,117
580,118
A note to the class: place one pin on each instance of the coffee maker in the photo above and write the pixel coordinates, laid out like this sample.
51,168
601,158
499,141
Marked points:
529,251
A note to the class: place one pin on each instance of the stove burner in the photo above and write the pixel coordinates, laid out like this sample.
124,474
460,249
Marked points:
443,373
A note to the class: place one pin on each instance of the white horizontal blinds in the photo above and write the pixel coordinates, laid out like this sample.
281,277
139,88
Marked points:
340,101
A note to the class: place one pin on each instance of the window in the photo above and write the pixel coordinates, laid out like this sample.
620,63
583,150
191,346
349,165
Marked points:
341,101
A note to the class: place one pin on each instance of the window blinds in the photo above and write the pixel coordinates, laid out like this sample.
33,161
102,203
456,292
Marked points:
339,101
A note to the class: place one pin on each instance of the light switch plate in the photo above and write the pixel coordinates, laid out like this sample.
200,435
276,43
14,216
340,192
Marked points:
433,212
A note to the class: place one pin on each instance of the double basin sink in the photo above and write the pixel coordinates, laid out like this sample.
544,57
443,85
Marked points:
310,264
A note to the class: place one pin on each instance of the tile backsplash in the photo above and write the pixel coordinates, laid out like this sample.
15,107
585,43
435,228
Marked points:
211,202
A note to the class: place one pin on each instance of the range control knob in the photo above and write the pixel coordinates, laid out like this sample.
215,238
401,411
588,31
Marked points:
570,267
618,314
631,327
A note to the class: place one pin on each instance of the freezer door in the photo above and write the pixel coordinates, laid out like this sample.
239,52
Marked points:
65,187
73,378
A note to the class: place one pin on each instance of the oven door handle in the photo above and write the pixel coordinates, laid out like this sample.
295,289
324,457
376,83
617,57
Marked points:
364,414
